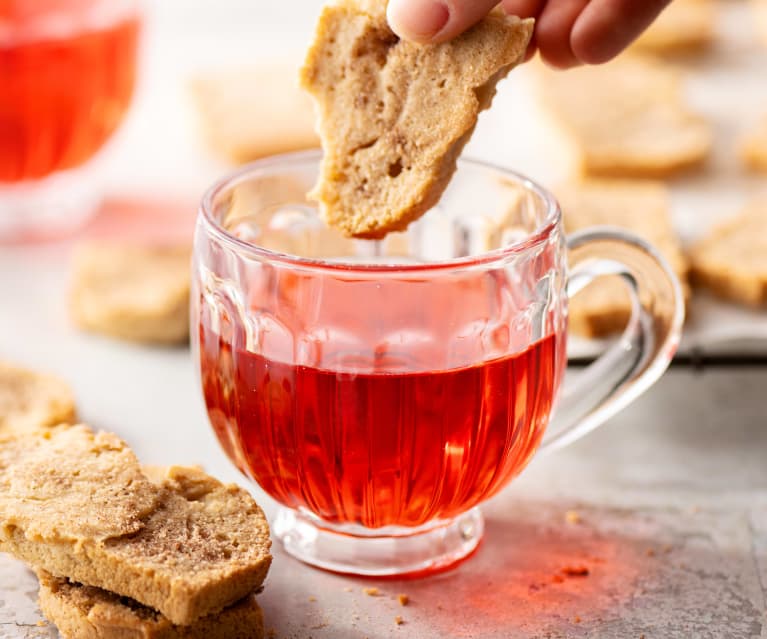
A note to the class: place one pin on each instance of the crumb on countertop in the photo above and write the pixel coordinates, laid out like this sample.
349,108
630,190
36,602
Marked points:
372,592
312,598
399,620
403,599
573,517
575,571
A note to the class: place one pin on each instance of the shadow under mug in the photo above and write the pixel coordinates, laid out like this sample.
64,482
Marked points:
380,390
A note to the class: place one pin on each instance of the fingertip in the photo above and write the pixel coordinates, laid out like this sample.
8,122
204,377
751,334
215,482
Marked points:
555,52
593,50
561,63
523,8
553,33
607,27
417,20
532,49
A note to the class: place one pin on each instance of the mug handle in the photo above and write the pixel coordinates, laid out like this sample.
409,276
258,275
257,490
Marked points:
645,349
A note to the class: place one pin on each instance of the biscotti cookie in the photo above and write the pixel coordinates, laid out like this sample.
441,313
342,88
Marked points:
732,260
131,292
627,118
29,400
395,115
187,548
85,612
641,207
684,26
251,113
754,148
65,484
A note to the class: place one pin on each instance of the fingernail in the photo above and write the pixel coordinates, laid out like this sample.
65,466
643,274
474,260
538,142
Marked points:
418,20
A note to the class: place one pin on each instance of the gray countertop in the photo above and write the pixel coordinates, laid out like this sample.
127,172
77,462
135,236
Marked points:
671,498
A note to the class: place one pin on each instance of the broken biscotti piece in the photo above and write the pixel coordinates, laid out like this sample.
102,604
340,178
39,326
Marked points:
30,400
683,27
253,112
627,118
754,148
641,207
394,115
134,293
77,505
85,612
731,261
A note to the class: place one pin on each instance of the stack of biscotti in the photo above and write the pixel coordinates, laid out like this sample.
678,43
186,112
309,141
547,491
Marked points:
123,550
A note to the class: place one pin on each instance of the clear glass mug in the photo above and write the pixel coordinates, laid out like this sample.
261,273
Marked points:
381,390
67,72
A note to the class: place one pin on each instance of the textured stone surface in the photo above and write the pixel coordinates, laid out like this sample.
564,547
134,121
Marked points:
672,501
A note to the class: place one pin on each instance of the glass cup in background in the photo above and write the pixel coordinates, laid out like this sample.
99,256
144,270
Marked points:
67,76
381,390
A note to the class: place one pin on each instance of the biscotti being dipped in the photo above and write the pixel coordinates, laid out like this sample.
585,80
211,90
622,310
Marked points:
78,506
395,115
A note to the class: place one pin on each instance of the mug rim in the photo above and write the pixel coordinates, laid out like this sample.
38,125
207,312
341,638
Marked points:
542,232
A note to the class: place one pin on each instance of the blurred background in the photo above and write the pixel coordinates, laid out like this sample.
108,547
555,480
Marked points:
216,86
146,181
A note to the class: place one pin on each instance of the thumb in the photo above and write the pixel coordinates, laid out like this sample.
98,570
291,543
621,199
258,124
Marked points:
435,20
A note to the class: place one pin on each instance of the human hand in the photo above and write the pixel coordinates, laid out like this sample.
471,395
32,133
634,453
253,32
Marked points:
567,32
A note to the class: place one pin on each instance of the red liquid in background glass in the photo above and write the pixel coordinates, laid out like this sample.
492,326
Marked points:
62,97
379,449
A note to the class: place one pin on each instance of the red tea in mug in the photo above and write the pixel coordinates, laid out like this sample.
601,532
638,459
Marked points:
65,84
391,439
382,449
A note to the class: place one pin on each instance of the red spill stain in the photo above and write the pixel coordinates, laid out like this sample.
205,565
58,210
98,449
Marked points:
144,220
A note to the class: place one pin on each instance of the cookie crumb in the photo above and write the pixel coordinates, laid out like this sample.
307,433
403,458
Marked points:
372,592
650,552
399,620
575,571
348,589
41,624
403,599
312,598
576,619
573,517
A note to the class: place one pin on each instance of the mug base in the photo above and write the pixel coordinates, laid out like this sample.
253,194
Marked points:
48,208
378,553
